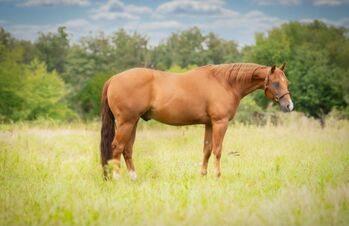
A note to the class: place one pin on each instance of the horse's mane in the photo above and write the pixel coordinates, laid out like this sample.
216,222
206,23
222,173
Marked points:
240,72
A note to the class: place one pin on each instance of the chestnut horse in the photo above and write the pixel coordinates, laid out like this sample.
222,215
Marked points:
208,95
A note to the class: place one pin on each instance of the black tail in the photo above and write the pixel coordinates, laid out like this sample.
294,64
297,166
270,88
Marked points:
107,130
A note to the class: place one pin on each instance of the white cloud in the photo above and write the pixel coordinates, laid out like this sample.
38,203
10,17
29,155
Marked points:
116,9
243,27
155,25
31,3
27,31
78,23
191,6
277,2
330,2
75,28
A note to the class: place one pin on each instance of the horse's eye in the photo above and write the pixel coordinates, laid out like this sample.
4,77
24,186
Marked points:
275,85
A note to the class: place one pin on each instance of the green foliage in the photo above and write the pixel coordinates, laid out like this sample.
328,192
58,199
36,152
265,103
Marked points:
161,57
91,56
316,68
316,85
191,47
103,54
186,47
52,49
89,98
7,42
130,50
178,69
12,98
29,92
44,92
316,55
220,51
248,109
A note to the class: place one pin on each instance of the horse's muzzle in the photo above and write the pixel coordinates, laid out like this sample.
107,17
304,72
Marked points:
287,105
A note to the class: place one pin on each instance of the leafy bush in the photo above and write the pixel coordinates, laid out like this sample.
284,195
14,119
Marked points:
89,98
29,92
177,69
248,111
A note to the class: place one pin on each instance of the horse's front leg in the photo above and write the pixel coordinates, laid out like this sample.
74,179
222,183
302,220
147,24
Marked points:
207,148
219,128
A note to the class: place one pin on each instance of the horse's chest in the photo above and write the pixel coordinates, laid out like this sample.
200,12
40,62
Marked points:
223,108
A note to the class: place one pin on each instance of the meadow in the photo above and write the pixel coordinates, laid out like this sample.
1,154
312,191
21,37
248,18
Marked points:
292,174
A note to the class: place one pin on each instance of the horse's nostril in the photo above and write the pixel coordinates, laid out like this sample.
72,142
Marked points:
289,107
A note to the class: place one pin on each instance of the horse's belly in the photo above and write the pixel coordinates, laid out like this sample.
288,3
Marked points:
181,114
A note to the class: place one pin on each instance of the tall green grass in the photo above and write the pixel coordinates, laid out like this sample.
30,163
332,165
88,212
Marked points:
292,174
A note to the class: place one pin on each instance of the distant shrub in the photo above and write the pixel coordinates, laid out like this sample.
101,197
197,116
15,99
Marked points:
249,112
89,98
37,93
178,69
44,92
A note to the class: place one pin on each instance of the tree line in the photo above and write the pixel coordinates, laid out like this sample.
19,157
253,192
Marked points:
55,78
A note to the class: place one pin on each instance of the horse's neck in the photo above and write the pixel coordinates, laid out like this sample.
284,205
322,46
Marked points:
257,82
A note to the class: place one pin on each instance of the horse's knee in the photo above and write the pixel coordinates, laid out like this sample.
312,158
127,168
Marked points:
218,153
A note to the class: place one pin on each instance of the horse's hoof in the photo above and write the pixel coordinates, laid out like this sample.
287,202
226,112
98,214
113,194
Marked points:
132,175
116,176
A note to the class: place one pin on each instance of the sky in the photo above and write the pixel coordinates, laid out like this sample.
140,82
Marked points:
157,19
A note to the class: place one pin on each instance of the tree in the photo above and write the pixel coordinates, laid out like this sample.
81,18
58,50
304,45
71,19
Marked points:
130,50
316,67
186,48
316,85
161,57
44,93
53,49
220,51
89,98
12,100
92,55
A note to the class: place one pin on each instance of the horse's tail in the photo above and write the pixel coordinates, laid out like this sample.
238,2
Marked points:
107,130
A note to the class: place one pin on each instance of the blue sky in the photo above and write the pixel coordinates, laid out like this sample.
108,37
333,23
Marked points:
157,19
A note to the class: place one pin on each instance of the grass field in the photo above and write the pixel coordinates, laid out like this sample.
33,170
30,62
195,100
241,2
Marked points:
295,174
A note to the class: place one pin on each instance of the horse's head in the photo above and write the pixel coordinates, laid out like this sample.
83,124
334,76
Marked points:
276,87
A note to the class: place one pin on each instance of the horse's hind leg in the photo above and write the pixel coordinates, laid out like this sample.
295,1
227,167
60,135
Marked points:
207,148
122,137
128,154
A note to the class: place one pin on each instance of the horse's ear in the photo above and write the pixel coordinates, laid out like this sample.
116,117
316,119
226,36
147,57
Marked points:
272,69
282,67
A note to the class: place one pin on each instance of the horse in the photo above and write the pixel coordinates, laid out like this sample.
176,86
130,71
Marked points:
208,95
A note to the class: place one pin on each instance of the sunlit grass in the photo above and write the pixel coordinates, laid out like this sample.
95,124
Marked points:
295,174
